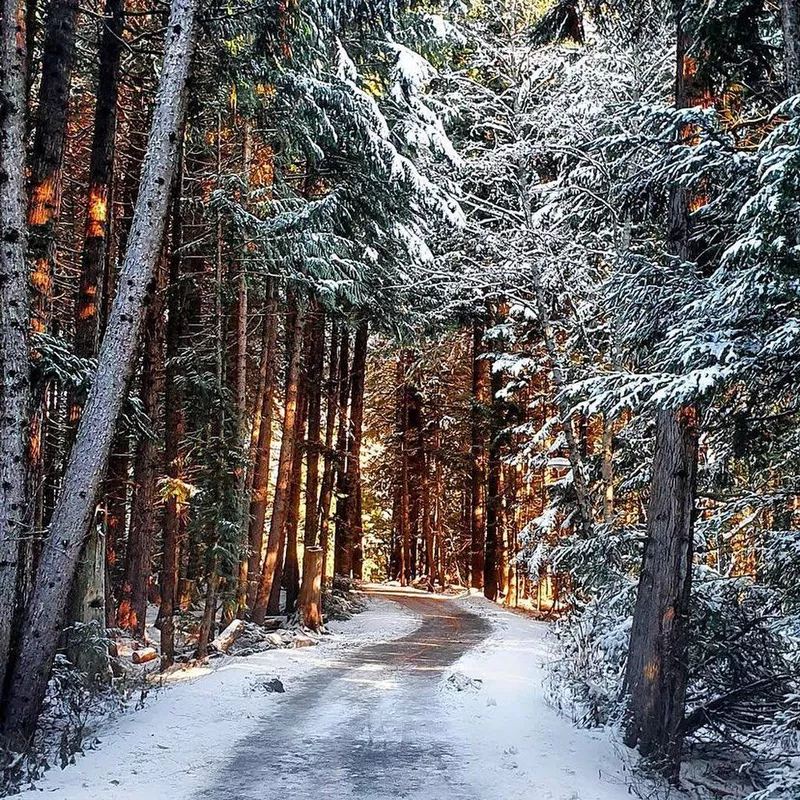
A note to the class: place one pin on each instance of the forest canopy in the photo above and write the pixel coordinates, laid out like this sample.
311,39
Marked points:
489,295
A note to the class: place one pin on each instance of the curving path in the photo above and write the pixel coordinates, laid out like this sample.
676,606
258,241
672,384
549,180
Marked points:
366,727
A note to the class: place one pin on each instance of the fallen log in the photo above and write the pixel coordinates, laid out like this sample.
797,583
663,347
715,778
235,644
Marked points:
144,655
225,639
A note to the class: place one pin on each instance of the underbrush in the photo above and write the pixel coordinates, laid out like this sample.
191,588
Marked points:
742,722
75,706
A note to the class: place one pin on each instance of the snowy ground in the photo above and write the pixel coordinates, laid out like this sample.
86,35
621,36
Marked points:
421,698
518,741
192,725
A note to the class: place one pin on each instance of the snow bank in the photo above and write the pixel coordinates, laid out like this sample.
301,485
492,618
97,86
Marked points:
493,700
193,724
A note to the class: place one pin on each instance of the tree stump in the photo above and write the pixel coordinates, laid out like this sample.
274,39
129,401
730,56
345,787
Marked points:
310,600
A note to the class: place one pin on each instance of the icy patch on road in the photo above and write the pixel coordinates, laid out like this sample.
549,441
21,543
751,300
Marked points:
192,727
506,728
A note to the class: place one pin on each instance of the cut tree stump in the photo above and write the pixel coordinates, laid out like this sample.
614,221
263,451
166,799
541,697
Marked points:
225,639
310,600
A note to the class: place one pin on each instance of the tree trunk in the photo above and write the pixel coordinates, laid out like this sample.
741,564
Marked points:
146,468
326,489
480,390
261,469
404,524
790,18
310,601
280,505
342,439
101,170
437,521
351,528
252,455
116,514
292,569
47,151
315,366
656,672
15,395
314,445
494,497
87,461
89,609
174,429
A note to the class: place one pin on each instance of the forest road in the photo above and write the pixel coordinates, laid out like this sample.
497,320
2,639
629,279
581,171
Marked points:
366,727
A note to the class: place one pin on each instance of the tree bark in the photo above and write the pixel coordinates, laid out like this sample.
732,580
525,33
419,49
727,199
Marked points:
480,390
92,280
261,469
174,430
101,170
47,151
310,601
656,672
280,505
351,527
291,572
315,366
15,389
403,524
87,461
342,440
494,494
790,19
146,468
314,445
326,488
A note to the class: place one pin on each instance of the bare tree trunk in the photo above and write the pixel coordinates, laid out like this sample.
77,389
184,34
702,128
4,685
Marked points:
146,468
326,489
252,455
280,505
480,390
87,462
437,522
261,469
174,430
351,527
404,526
514,507
291,573
314,389
427,528
342,439
656,672
47,152
311,591
115,499
494,495
790,17
101,170
15,389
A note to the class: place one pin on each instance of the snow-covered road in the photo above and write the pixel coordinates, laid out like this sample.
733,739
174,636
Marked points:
442,699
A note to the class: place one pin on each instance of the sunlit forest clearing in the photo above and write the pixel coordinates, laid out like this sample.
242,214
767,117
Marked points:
398,399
